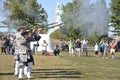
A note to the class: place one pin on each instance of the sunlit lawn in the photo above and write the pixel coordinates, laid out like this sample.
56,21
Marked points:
64,67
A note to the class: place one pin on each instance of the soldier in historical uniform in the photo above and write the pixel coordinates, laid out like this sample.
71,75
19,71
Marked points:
30,60
18,36
23,53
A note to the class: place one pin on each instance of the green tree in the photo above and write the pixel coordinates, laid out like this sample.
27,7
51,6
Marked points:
115,15
69,17
26,13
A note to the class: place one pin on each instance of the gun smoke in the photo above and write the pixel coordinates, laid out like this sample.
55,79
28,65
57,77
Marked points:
91,17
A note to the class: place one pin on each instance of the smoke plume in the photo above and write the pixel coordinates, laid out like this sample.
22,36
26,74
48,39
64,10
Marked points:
94,17
90,17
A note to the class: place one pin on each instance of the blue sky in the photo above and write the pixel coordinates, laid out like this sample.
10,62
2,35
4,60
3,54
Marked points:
50,7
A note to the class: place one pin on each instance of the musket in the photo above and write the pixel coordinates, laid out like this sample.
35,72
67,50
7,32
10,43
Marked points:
39,30
45,26
56,25
50,24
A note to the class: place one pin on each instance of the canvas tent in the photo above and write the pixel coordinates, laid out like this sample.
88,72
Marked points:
50,47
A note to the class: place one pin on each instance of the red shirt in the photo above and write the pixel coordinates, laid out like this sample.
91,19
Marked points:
113,46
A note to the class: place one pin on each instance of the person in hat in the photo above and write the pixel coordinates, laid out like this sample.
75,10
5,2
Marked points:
18,36
23,55
30,59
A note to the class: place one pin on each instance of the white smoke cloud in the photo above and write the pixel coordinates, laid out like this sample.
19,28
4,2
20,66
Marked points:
91,18
94,18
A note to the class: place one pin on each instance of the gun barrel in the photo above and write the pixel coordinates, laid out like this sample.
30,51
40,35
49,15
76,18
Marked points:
56,25
49,24
46,27
52,23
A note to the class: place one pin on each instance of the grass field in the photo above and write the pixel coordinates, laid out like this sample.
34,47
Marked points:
64,67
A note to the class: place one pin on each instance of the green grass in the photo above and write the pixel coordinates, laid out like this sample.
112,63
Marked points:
64,67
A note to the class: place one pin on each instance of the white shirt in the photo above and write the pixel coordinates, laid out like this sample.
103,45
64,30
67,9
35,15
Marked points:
44,46
96,48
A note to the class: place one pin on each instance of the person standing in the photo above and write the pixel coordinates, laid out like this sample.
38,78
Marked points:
62,44
30,58
71,47
10,45
44,48
101,45
106,50
96,47
84,46
23,55
112,49
78,47
4,45
36,37
17,44
35,47
0,44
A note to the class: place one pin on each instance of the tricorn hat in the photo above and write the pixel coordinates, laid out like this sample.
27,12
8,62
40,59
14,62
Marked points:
24,33
21,27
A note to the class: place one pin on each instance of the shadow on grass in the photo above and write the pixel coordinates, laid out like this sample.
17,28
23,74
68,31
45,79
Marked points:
59,77
52,69
119,58
4,74
56,73
51,73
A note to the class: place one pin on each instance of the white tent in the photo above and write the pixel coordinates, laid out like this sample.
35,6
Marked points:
50,47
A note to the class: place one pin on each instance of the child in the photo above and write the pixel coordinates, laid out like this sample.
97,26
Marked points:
56,50
106,50
112,49
96,49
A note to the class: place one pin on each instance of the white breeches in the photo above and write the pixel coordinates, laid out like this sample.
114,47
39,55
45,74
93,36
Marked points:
29,69
16,67
26,70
